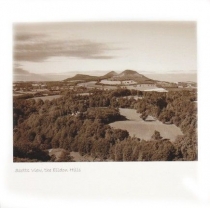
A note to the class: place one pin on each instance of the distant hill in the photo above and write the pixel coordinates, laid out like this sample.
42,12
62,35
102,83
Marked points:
82,77
132,75
20,74
125,75
129,72
109,75
29,77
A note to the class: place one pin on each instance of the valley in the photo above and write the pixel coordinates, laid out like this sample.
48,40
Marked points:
115,117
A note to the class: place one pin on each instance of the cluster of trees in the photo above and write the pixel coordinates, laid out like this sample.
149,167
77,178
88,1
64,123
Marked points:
23,108
133,150
176,108
82,133
79,123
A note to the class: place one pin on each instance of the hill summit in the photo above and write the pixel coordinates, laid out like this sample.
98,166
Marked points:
125,75
128,72
132,75
109,75
82,77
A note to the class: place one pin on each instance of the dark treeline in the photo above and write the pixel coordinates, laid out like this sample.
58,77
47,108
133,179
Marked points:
80,123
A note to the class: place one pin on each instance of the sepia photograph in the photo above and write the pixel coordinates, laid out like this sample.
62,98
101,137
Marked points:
114,91
105,103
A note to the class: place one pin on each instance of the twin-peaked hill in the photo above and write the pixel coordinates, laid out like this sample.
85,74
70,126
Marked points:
125,75
132,75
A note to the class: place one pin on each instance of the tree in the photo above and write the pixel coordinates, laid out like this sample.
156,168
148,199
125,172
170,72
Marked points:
156,135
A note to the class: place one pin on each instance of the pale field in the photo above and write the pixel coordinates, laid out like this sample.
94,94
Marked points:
142,129
50,97
128,82
84,93
146,88
87,84
17,94
157,90
25,92
109,82
93,84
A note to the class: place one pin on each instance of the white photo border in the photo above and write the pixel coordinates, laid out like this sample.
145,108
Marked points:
149,184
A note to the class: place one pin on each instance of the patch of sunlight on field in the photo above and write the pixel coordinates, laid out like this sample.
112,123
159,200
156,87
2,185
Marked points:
142,129
109,82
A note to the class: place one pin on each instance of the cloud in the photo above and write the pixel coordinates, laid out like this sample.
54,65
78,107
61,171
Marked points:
19,71
37,47
26,37
16,65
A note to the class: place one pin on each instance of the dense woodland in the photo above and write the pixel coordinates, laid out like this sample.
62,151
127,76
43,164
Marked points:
80,123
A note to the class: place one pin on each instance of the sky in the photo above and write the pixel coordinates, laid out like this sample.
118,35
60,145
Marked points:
147,47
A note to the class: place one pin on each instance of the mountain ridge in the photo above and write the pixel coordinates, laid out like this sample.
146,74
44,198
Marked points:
127,74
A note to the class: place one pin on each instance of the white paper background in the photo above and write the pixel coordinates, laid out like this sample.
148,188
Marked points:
133,184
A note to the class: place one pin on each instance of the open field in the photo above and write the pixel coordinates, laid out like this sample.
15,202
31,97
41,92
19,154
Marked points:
24,92
146,88
142,129
90,84
16,94
93,84
110,82
50,97
157,90
84,93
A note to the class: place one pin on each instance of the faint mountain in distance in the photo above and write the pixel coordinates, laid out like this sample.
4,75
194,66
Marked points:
83,77
169,77
27,77
132,75
125,75
129,72
23,75
109,75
